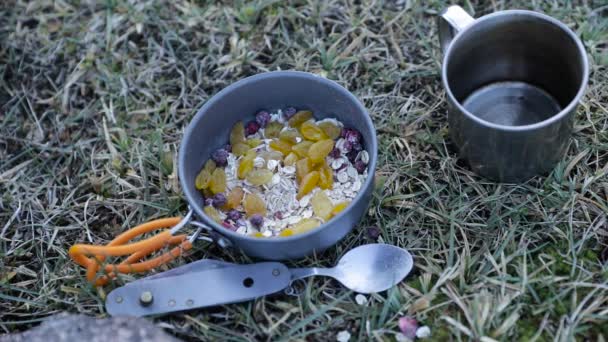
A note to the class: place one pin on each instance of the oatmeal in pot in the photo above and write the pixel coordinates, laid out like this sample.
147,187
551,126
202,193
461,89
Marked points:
283,173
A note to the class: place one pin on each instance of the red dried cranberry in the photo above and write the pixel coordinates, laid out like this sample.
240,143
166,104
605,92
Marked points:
262,118
220,157
234,215
347,146
351,135
219,200
257,220
252,128
408,326
373,232
360,166
278,215
227,225
335,153
352,156
289,112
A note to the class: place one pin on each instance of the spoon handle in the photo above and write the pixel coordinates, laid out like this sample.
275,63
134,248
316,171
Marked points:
301,273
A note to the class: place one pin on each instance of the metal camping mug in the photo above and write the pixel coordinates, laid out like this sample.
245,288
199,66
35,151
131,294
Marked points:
513,81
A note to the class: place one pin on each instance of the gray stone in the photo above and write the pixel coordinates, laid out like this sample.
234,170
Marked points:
66,327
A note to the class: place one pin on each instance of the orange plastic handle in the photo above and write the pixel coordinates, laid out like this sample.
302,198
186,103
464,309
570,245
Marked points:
137,250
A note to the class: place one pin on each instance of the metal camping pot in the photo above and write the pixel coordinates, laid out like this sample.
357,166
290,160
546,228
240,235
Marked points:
210,128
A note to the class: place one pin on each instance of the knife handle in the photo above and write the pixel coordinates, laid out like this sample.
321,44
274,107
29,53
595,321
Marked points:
211,287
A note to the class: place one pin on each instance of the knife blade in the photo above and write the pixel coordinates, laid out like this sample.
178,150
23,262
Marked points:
195,266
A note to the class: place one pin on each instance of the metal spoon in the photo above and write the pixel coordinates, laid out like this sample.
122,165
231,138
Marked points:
365,269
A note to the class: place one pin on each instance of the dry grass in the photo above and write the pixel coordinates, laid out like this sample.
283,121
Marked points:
94,98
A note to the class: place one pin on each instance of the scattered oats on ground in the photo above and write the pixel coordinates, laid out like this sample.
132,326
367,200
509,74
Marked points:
423,332
361,299
343,336
402,338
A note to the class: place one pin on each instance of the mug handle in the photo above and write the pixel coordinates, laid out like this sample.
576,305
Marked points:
451,20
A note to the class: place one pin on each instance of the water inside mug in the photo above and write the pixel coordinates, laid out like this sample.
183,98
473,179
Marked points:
511,103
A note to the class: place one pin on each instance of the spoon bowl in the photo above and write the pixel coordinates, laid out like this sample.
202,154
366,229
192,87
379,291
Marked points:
366,269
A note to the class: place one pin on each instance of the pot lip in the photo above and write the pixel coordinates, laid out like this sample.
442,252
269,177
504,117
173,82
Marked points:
372,148
554,118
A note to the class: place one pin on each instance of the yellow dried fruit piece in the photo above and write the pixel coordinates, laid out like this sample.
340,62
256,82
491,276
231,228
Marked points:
311,131
246,164
281,146
259,176
202,179
237,134
308,183
210,165
207,192
305,225
319,150
291,159
290,136
272,130
326,176
258,235
321,205
286,232
234,198
339,207
213,213
303,167
251,154
300,117
253,204
271,155
253,142
331,130
301,149
240,149
217,183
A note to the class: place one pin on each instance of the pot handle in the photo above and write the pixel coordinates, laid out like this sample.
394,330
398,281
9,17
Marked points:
92,257
451,20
